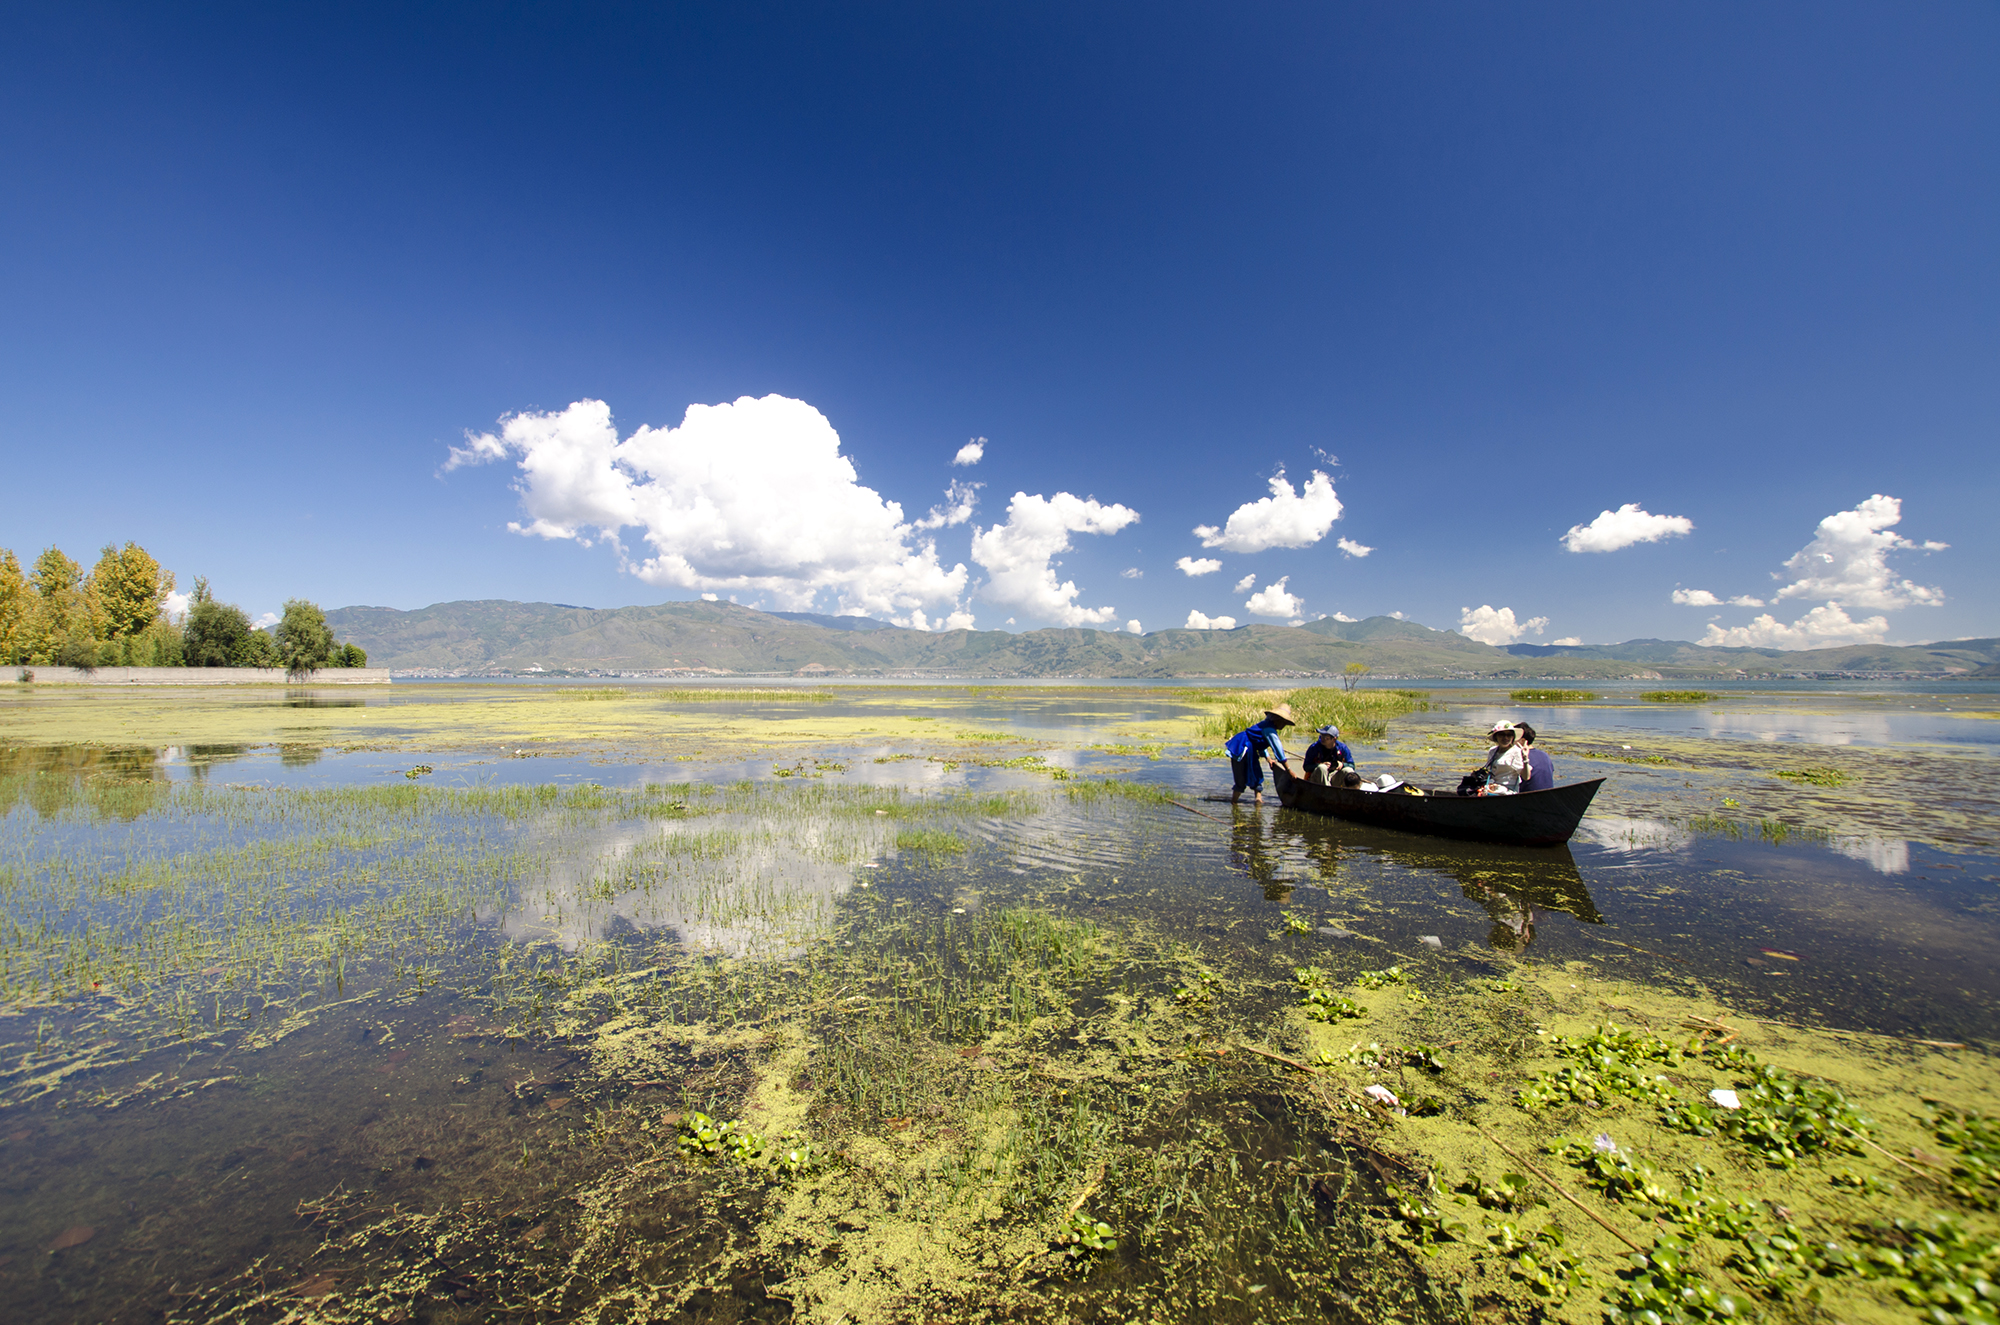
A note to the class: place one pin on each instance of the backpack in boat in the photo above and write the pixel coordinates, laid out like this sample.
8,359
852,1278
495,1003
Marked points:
1472,782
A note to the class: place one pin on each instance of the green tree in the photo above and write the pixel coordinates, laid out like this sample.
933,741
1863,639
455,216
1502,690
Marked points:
130,588
216,634
65,618
16,605
350,655
260,651
1353,674
305,641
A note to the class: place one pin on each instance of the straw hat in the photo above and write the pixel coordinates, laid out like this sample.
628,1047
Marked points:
1283,713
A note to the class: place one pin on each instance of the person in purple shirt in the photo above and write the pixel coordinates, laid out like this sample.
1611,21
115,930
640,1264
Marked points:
1541,768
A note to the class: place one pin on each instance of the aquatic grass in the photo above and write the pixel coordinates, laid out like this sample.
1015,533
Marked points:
1677,696
1816,777
1364,714
1551,696
745,695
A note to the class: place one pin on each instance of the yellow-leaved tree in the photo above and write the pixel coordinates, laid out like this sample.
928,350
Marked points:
64,624
130,590
15,605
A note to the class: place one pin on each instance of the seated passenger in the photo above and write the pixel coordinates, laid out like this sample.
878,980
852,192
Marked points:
1541,768
1327,756
1506,762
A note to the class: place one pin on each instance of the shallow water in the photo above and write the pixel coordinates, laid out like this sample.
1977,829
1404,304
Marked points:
262,993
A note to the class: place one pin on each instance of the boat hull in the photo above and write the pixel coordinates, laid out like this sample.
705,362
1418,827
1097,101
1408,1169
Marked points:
1534,818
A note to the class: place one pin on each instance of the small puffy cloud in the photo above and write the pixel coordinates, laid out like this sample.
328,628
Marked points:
1243,585
960,500
958,620
1568,641
1286,518
1017,554
1196,621
1192,566
1623,527
1490,625
711,598
1274,600
1703,598
1352,548
752,497
1825,627
1848,560
971,453
1133,628
176,605
1343,617
265,622
1131,573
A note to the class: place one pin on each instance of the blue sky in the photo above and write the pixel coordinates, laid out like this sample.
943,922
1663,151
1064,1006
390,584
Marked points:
1492,270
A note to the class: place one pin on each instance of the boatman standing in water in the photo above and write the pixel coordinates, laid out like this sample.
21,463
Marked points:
1255,743
1541,774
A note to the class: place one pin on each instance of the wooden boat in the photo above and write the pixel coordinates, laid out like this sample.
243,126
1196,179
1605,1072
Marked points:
1534,818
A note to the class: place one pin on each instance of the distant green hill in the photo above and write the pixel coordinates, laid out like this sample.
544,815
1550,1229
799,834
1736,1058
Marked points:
497,636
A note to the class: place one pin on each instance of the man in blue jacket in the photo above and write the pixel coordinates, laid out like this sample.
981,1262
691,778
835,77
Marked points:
1255,743
1541,769
1328,749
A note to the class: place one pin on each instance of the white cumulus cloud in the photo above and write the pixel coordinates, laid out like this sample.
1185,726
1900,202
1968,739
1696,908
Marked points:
1343,617
1352,548
1825,627
176,605
971,453
1243,585
960,501
265,622
1196,621
1192,566
1017,554
1134,628
1569,640
1490,625
1848,560
1274,600
1286,518
1703,598
1623,527
750,498
1131,573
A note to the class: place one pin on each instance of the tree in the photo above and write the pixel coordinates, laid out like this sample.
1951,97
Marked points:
350,655
15,607
216,634
130,588
1354,672
304,640
65,617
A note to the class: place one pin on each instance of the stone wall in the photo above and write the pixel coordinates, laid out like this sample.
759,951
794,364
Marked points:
197,676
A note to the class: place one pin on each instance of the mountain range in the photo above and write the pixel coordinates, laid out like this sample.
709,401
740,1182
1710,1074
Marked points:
498,637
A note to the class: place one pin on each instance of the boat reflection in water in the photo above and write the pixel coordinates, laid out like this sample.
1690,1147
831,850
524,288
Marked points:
1515,886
